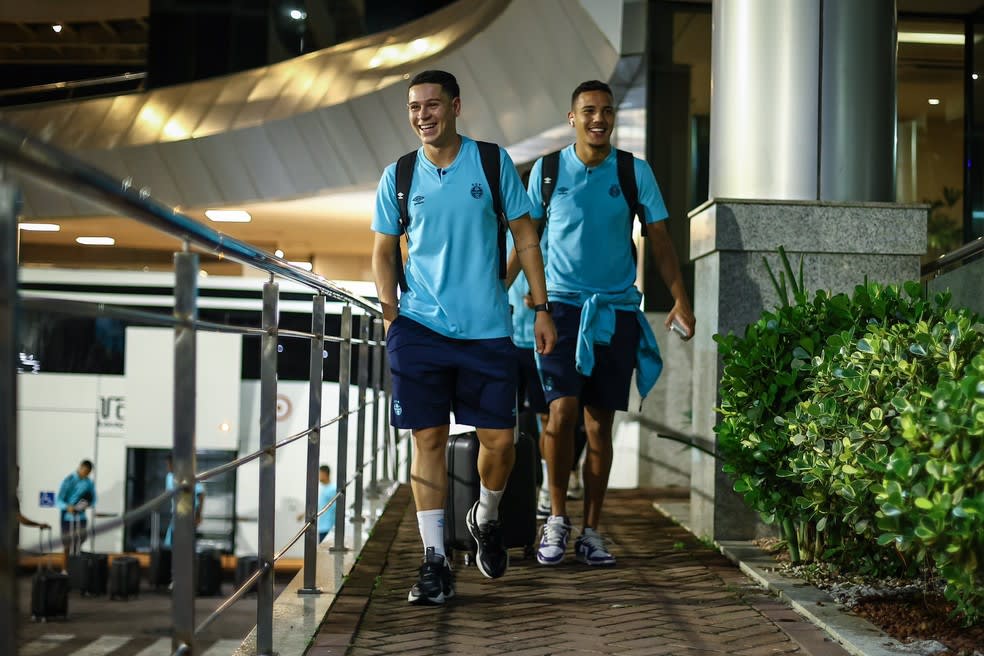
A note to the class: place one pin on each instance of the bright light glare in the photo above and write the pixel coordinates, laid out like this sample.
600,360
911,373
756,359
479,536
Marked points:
298,14
934,101
278,253
932,38
57,28
307,266
39,227
95,241
229,216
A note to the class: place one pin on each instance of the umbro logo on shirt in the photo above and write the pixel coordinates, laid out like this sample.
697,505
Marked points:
477,191
614,191
417,200
562,191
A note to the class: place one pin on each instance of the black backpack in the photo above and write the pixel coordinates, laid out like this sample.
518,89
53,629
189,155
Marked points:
625,164
489,154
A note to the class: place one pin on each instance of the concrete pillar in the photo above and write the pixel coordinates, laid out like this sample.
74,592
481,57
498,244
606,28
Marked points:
802,114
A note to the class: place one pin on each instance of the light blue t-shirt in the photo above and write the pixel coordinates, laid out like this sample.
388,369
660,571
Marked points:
589,224
73,490
326,491
169,485
452,271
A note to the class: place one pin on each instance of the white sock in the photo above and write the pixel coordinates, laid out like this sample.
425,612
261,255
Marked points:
431,525
546,475
488,505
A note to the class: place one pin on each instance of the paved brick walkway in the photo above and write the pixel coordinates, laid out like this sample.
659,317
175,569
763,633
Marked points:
669,594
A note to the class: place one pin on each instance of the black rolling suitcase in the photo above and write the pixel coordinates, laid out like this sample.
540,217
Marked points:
245,566
49,589
517,509
159,571
88,572
209,565
124,578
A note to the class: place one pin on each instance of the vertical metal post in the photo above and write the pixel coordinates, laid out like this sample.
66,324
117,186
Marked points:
360,438
8,416
377,377
183,456
341,464
387,429
317,371
268,470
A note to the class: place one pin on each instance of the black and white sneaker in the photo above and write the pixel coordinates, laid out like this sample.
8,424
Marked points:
435,583
491,556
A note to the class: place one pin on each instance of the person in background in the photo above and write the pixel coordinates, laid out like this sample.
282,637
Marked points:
21,519
169,484
326,492
75,495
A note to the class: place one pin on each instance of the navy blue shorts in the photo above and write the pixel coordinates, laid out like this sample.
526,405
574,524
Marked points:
434,375
530,388
610,380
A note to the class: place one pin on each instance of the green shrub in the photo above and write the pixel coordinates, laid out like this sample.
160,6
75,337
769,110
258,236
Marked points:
857,422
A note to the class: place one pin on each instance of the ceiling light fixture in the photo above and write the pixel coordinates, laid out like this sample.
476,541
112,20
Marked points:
39,227
974,76
95,241
228,216
934,101
57,28
932,38
298,14
278,253
307,266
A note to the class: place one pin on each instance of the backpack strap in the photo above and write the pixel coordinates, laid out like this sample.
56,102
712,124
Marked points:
404,177
491,161
625,162
549,167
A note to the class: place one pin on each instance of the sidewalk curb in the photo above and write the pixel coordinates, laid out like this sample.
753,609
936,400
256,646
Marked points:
855,634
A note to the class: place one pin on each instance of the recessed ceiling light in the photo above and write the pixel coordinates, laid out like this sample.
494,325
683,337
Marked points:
932,38
229,216
95,241
934,101
278,253
298,14
57,28
39,227
307,266
974,76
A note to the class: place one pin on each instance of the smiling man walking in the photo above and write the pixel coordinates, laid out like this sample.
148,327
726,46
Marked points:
448,334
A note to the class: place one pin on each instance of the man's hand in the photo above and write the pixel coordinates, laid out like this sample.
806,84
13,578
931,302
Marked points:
683,314
70,509
545,332
44,526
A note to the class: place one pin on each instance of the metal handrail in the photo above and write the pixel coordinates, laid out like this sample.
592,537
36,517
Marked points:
54,167
969,249
73,84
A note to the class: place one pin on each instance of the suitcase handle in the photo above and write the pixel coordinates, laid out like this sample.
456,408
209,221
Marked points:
51,547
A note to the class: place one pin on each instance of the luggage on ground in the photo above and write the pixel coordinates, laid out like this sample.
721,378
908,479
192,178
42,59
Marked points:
245,566
49,589
209,565
124,578
88,572
517,509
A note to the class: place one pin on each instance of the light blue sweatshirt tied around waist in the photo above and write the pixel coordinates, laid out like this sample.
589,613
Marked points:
598,325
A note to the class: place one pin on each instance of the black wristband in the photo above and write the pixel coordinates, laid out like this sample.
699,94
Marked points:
543,307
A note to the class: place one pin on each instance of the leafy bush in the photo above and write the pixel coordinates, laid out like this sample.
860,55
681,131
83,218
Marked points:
857,422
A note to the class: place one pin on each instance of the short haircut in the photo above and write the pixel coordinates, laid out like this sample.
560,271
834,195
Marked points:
325,468
86,463
449,84
591,85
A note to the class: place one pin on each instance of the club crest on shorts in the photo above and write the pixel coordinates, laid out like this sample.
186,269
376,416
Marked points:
477,191
614,191
397,408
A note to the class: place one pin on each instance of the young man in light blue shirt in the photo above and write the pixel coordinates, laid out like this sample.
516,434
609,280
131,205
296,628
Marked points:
602,335
448,333
199,502
75,495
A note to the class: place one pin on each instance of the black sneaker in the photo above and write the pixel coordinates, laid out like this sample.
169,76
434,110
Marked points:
491,557
435,583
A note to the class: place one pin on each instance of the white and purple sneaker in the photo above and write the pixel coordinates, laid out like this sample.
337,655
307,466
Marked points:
553,540
590,549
